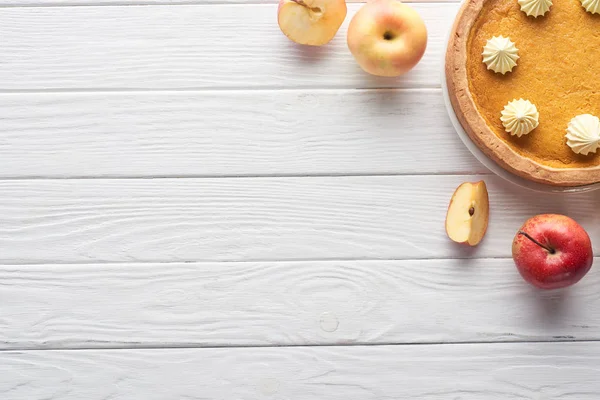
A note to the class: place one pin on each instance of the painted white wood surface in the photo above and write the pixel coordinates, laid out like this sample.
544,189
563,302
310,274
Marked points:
199,46
245,219
526,371
220,133
287,303
251,248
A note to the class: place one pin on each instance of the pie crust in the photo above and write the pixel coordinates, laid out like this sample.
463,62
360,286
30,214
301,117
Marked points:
476,126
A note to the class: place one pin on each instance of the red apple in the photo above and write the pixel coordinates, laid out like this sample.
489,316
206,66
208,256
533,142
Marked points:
552,251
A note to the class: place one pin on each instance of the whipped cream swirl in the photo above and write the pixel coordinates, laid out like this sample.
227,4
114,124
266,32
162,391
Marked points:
535,8
583,134
500,54
591,6
520,117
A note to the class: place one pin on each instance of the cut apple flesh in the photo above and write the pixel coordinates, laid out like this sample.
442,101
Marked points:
311,22
468,213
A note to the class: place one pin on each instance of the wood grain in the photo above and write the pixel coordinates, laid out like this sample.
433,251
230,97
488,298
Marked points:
245,219
160,91
230,133
196,46
287,303
532,371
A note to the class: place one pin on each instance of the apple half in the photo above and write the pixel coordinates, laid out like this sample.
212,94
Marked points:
468,213
311,22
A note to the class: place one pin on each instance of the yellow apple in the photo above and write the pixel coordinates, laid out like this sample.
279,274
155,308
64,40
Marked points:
468,213
387,38
311,22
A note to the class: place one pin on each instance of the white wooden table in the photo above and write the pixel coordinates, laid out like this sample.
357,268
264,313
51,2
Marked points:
193,207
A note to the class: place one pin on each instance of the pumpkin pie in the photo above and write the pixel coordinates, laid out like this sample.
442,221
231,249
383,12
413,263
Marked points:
551,75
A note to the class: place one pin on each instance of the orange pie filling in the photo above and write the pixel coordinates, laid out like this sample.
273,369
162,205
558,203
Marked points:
558,70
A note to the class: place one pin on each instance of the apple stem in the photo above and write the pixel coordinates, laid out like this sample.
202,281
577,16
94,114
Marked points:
303,4
528,236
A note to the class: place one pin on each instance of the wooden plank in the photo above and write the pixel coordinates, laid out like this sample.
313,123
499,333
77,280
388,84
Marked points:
230,133
196,46
533,371
286,303
245,219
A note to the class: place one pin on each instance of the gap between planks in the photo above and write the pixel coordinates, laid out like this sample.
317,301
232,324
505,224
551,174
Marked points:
253,261
121,3
170,346
251,176
222,89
